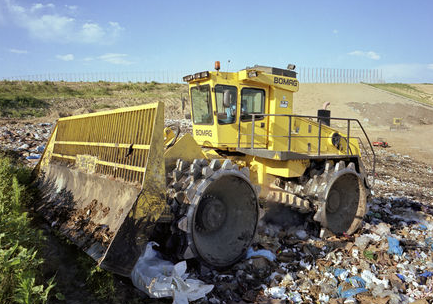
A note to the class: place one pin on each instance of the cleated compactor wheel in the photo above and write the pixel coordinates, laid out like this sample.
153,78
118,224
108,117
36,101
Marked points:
340,197
216,211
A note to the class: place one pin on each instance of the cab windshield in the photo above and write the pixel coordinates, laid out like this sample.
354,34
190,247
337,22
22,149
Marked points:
201,105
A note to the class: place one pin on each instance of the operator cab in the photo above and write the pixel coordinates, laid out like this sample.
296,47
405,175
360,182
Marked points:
227,108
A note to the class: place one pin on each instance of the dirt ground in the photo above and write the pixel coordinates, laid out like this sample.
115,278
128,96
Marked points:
375,109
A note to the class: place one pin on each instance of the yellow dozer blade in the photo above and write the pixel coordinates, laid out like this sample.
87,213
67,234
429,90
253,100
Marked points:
102,179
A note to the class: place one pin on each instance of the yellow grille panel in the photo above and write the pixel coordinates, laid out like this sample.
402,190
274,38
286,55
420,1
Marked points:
116,142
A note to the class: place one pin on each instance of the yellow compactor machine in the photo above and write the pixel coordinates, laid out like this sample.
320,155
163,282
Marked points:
111,181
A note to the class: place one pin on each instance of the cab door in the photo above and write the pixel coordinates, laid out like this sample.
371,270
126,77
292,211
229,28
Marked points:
227,116
253,103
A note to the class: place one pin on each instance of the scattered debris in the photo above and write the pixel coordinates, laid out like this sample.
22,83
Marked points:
261,252
160,278
28,140
380,142
389,260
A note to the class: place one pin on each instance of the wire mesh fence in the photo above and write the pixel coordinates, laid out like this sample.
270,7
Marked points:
304,74
142,76
334,75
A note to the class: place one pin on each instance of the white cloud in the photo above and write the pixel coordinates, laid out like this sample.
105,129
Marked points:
115,58
50,27
16,51
91,32
67,57
71,7
88,59
54,26
15,9
39,6
370,54
430,66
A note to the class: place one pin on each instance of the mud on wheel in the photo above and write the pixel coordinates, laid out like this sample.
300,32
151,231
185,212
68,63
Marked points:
216,211
340,196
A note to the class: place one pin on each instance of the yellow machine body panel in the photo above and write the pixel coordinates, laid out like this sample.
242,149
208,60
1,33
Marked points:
260,118
254,92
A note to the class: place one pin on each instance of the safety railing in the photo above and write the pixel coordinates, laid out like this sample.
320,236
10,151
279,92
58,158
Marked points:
371,157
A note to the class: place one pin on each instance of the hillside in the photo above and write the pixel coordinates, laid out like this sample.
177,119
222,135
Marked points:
51,100
422,93
374,107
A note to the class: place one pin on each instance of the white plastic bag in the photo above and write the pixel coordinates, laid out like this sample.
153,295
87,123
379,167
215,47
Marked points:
160,278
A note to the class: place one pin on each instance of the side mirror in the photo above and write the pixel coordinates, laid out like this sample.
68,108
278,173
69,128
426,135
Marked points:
227,97
188,115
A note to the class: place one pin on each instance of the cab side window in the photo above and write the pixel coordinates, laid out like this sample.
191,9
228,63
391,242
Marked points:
226,115
252,102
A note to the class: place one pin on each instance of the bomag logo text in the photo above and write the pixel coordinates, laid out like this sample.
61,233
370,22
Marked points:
285,81
203,133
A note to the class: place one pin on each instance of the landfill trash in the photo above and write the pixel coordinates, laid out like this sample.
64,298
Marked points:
394,246
277,292
371,280
401,277
184,124
364,240
25,139
260,252
160,278
356,281
426,274
323,298
307,267
381,229
350,292
40,149
341,273
295,297
301,234
33,156
429,242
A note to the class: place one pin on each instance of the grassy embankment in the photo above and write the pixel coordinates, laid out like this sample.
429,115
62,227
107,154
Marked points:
25,275
407,90
20,274
24,99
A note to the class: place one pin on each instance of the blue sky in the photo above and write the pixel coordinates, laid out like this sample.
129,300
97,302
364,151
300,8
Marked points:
118,36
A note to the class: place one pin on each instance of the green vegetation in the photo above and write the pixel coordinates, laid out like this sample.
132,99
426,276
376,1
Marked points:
406,90
20,276
370,255
98,281
21,106
27,99
50,90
